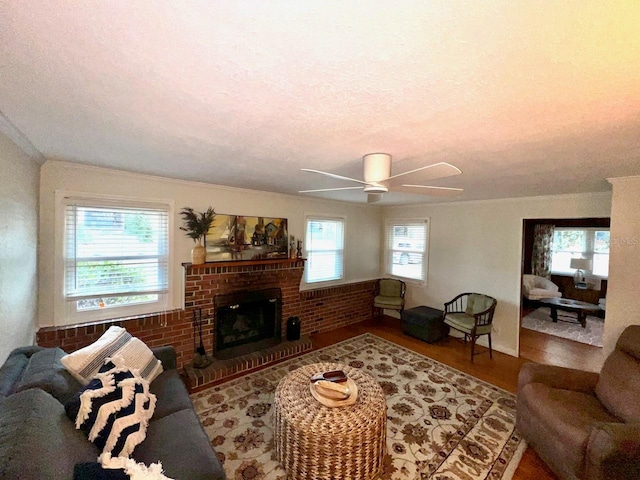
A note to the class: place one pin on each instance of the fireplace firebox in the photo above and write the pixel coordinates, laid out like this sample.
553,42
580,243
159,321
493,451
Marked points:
247,321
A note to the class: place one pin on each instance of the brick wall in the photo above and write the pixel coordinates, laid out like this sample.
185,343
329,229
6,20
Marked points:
319,310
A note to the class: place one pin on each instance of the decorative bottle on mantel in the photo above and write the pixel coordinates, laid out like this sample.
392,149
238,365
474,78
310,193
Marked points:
198,254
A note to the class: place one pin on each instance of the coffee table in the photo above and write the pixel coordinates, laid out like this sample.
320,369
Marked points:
581,309
317,442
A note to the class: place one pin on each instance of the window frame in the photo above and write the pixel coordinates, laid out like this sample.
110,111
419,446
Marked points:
65,310
588,253
308,253
388,249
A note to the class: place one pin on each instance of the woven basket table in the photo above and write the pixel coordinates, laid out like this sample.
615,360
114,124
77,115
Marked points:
317,442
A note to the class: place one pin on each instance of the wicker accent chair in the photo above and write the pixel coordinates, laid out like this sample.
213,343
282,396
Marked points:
389,294
471,314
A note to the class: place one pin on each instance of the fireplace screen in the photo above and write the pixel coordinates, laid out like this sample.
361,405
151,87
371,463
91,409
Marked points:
247,321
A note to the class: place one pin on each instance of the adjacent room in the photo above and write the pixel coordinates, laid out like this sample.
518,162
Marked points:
319,240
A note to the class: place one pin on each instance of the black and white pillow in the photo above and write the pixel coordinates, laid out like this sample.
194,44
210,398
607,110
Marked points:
83,364
114,409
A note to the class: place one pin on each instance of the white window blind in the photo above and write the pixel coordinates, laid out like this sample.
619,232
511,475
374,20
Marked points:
325,249
115,255
406,248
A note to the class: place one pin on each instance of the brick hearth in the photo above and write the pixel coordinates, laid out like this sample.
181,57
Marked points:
319,310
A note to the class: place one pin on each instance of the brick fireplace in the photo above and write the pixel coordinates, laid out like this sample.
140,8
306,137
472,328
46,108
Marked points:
320,310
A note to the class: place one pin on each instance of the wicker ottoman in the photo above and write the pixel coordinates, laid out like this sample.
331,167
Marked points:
317,442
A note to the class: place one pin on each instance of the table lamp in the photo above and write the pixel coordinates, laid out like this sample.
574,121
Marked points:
580,264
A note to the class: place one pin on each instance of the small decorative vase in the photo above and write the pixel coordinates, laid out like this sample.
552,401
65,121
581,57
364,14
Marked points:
293,328
198,254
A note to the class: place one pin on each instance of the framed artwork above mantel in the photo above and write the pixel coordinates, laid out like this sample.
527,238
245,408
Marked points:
244,238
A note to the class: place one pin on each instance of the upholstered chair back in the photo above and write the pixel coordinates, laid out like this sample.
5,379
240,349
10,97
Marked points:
390,287
618,387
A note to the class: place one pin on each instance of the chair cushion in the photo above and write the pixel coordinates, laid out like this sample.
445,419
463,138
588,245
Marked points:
390,302
563,420
538,293
390,287
477,303
83,364
618,387
465,323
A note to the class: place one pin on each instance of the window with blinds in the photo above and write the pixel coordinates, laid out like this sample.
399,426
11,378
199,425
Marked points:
325,249
115,255
406,248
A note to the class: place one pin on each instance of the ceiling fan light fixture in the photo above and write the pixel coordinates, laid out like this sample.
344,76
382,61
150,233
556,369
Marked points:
375,188
377,166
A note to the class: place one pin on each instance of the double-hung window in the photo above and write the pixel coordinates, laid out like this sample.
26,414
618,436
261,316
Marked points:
406,248
115,258
589,243
324,246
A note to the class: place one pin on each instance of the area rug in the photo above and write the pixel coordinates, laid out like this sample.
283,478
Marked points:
442,424
540,321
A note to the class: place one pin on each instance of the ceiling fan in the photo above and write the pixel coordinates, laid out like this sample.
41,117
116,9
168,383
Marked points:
378,178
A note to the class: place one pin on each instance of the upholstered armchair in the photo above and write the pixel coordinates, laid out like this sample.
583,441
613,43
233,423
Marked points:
585,425
471,314
535,288
389,294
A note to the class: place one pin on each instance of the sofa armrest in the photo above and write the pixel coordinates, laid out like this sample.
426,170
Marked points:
613,451
166,355
557,377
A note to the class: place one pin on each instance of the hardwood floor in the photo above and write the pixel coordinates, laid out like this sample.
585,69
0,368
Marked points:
502,370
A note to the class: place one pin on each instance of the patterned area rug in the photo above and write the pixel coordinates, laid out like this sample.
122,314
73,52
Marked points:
540,321
442,424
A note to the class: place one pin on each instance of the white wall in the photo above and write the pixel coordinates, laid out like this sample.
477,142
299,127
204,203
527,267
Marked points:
477,247
18,246
362,234
623,297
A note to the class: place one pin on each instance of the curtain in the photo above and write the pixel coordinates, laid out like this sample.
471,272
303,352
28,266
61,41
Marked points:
542,246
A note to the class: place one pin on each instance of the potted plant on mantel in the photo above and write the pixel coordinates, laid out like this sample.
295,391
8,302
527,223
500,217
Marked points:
197,225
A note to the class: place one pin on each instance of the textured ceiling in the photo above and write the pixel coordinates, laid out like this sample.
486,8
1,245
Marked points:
526,97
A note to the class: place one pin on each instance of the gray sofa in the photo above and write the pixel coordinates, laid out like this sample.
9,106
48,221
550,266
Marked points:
38,440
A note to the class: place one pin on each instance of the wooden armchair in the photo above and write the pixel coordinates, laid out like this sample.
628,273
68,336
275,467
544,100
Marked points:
471,314
389,294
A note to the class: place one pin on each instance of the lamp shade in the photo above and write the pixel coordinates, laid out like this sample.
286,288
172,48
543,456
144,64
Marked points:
580,263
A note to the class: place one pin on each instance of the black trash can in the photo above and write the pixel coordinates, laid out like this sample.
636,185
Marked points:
293,328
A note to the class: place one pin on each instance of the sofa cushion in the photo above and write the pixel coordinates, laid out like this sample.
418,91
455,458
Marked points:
114,409
38,440
171,394
180,443
94,471
618,387
13,368
563,422
46,372
116,341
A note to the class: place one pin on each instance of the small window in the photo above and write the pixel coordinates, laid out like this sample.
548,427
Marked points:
325,249
116,256
406,249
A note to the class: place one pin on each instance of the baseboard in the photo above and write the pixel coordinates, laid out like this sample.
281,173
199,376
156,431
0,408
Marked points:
484,342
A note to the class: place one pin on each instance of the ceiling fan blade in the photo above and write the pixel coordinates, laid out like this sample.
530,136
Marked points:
428,173
429,190
333,175
374,197
329,189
